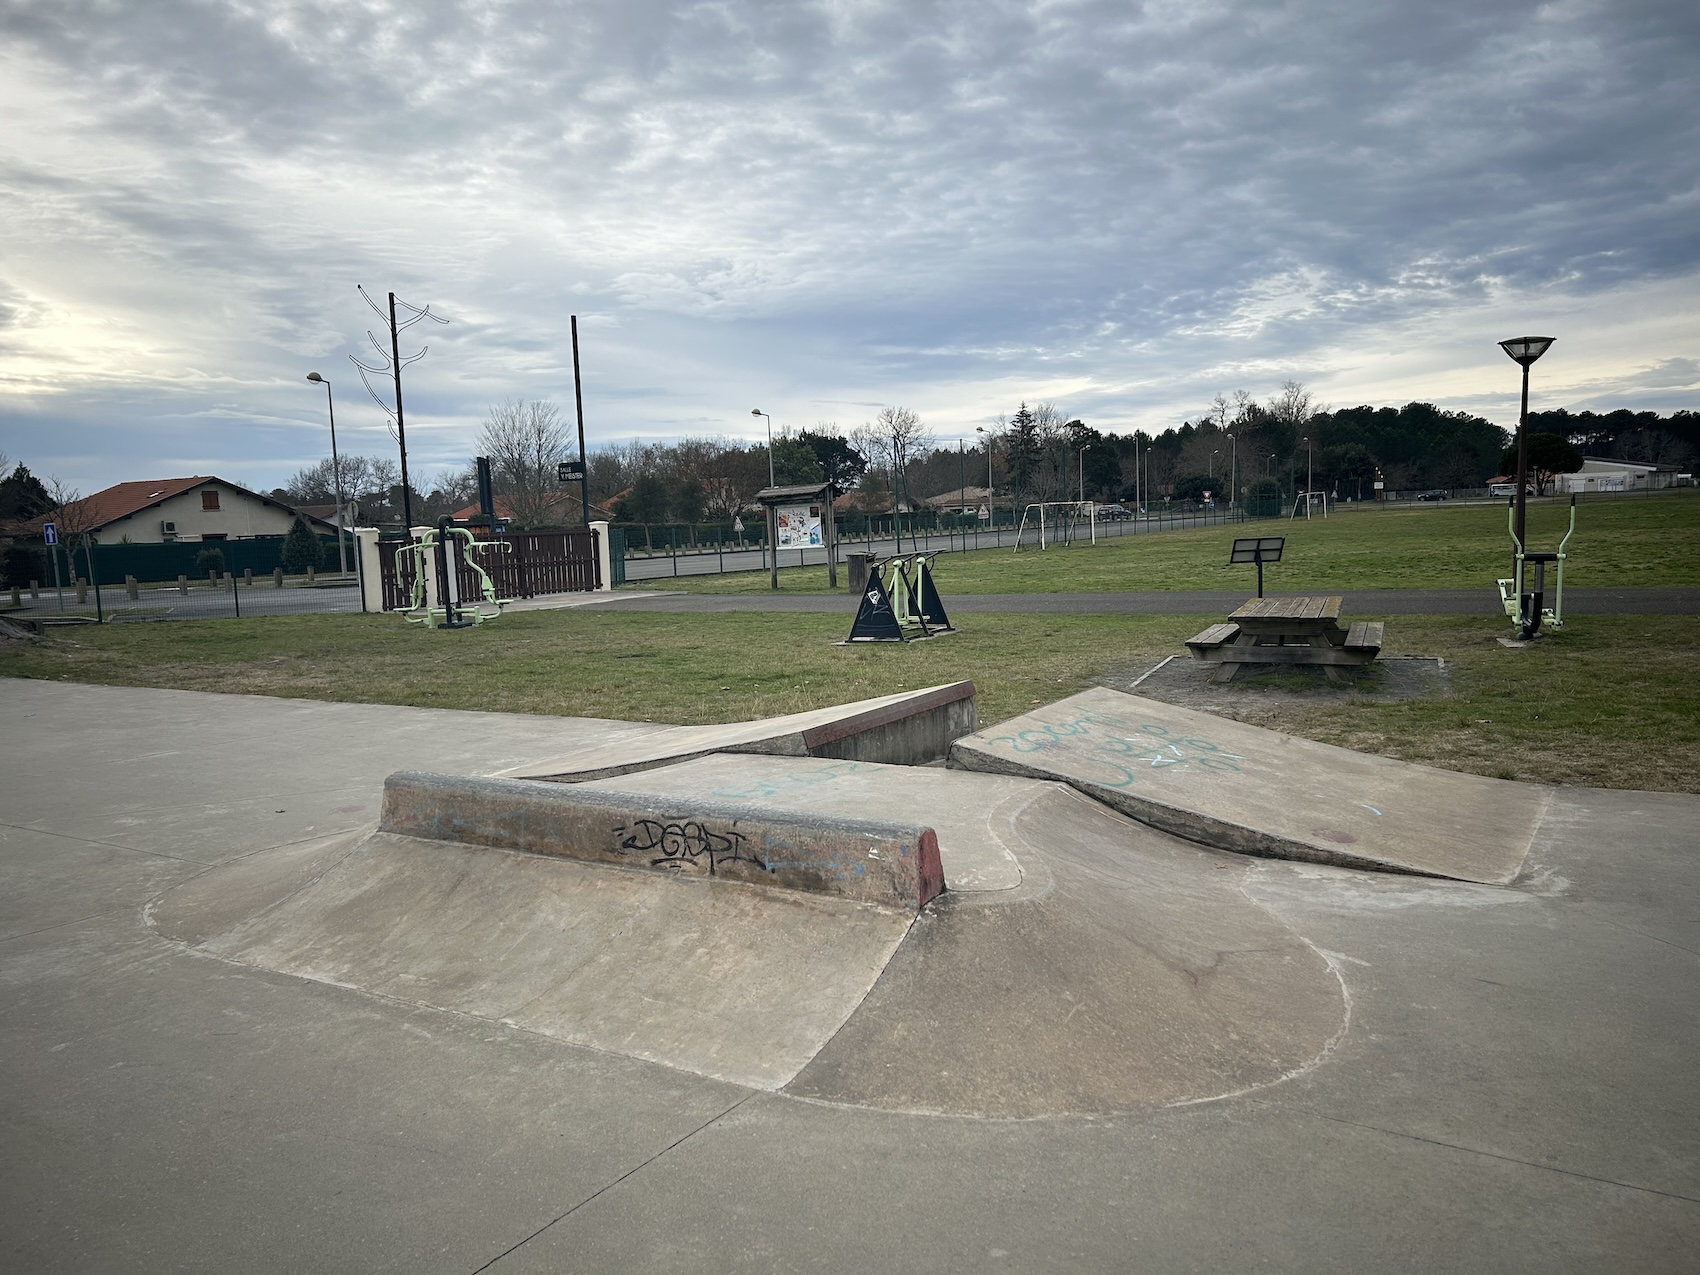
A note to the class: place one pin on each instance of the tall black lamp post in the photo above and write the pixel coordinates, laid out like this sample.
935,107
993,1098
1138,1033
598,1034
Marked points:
336,473
1524,350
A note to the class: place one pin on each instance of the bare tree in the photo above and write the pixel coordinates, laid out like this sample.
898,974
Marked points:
731,478
525,441
1294,406
891,441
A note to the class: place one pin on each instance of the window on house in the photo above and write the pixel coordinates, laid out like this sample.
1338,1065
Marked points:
209,500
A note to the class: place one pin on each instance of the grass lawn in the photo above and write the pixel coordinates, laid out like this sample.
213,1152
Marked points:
1624,541
1570,710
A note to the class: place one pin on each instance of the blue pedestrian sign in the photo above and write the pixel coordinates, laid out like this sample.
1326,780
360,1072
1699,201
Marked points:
50,532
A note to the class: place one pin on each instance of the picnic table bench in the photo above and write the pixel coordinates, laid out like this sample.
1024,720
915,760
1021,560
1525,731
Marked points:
1288,631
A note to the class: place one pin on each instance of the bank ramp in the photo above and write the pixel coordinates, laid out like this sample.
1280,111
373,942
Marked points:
1261,792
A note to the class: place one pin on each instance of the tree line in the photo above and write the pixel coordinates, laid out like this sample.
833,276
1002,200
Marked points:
1039,452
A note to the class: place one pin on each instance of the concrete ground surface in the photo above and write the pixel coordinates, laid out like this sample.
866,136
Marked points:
1449,1075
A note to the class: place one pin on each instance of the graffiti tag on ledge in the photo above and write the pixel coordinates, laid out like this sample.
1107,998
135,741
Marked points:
684,844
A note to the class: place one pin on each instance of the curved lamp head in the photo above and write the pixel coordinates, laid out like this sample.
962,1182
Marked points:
756,411
316,378
1526,349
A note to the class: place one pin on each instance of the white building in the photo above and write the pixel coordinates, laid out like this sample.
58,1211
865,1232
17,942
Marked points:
1600,473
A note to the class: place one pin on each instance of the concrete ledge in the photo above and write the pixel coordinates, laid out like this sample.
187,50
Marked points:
893,864
905,729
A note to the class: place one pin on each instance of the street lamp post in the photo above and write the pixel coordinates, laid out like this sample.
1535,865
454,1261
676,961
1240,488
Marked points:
1310,472
1233,470
336,473
991,510
1524,350
756,411
1083,450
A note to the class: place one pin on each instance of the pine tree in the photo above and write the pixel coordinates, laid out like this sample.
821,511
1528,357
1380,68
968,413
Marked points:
301,548
1024,451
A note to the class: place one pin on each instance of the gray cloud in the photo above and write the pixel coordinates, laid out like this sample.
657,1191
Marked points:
1129,205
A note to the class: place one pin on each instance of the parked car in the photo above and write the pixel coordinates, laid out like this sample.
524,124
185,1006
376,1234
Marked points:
1437,494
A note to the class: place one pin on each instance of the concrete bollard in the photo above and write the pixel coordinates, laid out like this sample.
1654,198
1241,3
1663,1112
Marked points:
17,597
35,591
212,575
312,577
277,577
131,588
248,576
82,589
183,585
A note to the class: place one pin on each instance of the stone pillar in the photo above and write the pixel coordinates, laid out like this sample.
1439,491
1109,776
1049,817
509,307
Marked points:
183,585
370,574
248,576
35,591
277,577
82,589
132,589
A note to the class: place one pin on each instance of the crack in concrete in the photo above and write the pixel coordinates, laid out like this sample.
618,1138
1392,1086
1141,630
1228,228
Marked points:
602,1190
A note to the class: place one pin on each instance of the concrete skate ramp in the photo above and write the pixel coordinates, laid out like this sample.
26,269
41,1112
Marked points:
1128,971
1258,792
872,861
737,982
1125,970
963,809
906,729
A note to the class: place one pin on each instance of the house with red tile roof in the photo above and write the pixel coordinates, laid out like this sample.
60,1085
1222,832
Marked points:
163,510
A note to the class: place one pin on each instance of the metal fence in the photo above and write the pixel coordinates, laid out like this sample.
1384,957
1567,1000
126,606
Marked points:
212,597
881,539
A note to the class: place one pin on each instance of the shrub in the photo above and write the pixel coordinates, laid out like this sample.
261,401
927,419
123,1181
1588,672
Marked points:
21,563
301,548
210,560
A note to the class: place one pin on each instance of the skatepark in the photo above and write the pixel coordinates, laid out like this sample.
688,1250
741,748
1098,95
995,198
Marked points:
1110,985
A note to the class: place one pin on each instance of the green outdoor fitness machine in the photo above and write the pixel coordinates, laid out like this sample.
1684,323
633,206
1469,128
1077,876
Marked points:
1529,609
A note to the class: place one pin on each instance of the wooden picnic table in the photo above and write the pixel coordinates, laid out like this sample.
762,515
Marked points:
1302,630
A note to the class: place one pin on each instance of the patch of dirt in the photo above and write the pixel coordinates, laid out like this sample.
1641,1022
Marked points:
1252,696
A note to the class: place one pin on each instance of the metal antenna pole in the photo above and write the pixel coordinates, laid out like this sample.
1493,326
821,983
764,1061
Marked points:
578,402
400,424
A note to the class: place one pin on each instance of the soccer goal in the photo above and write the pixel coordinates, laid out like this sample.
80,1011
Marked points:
1308,500
1057,522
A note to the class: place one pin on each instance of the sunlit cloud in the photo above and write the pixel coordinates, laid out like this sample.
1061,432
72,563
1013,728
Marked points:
822,208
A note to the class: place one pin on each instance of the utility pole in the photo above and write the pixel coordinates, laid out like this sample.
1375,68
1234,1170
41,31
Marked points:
400,422
392,362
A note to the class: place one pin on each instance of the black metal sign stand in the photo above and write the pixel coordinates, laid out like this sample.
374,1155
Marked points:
1258,549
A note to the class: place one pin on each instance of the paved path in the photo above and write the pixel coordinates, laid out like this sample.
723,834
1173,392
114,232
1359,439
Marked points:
1195,602
1502,1077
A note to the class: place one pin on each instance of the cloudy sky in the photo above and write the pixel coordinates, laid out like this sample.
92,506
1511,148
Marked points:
821,208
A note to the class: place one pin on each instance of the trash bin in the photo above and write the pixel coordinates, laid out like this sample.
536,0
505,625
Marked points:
859,564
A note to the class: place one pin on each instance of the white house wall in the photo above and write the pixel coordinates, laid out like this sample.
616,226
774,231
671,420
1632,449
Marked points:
240,516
